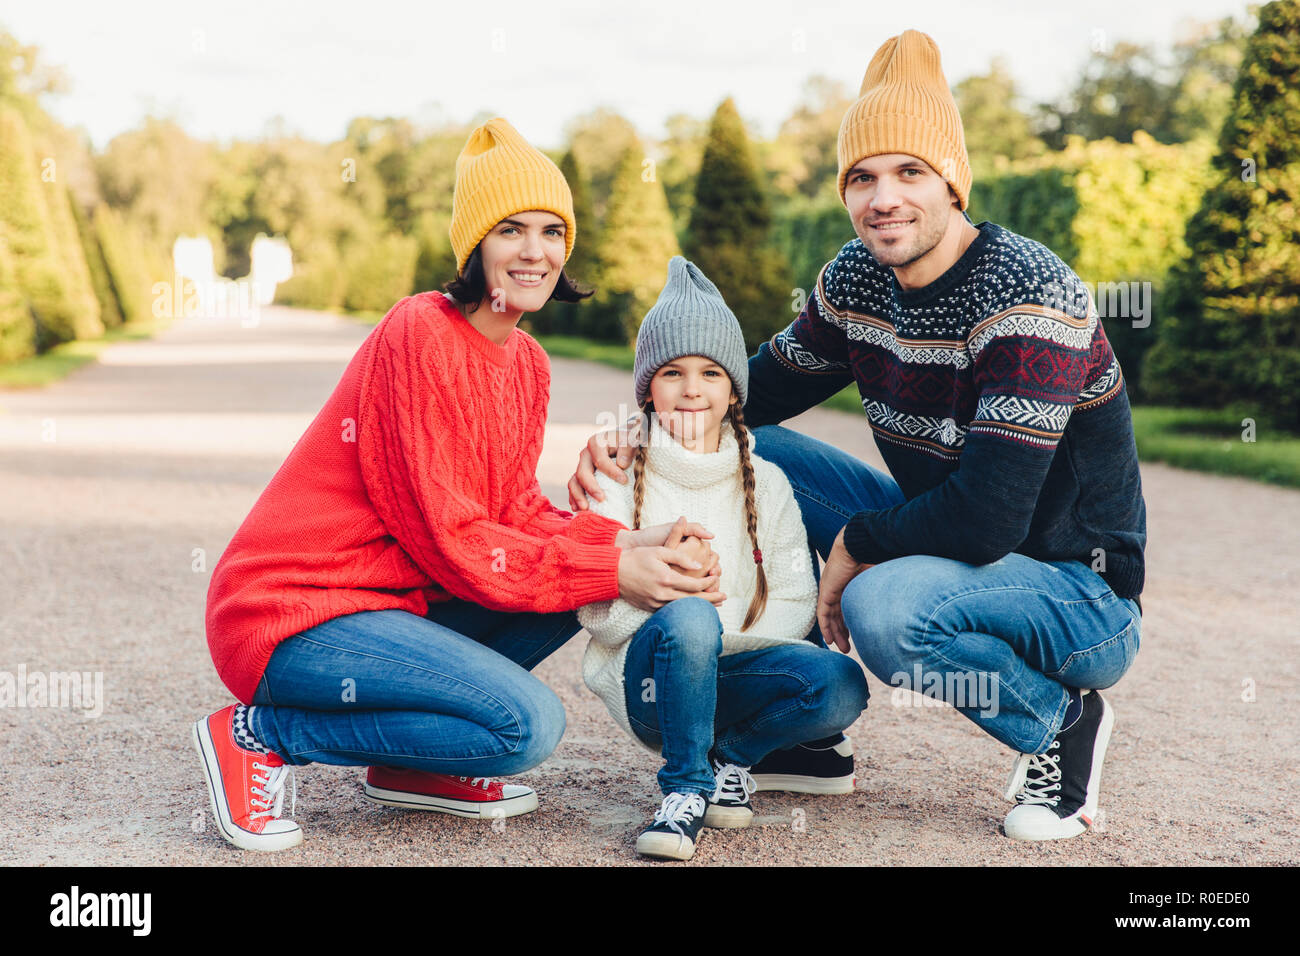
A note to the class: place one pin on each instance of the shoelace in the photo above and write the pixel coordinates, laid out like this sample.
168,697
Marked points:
483,782
271,790
676,806
1042,777
732,782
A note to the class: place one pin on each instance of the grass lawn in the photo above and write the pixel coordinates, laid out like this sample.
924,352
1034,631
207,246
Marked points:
1206,440
41,370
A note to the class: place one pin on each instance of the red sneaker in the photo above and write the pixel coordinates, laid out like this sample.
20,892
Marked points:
246,787
462,796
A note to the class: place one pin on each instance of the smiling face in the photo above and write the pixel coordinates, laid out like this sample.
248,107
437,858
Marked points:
901,208
691,395
522,259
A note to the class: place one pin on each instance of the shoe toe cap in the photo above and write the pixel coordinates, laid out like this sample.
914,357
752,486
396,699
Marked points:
276,828
1037,822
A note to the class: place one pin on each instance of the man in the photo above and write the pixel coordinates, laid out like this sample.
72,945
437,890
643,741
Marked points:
999,568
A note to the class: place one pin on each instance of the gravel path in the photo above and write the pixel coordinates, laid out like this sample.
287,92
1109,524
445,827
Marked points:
121,486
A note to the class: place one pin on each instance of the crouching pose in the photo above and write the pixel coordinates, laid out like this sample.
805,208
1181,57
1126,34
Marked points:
716,687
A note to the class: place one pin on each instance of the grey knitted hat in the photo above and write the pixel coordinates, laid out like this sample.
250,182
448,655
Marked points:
690,318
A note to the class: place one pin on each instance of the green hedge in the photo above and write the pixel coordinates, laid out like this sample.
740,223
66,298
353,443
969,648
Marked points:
40,273
379,273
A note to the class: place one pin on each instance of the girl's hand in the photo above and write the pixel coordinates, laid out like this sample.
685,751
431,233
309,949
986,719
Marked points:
680,540
659,534
715,572
648,578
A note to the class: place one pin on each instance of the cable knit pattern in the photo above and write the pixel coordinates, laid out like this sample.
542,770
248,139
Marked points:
707,489
415,484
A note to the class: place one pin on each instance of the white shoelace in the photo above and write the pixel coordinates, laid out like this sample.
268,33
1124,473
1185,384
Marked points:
271,790
677,805
483,782
732,781
1042,776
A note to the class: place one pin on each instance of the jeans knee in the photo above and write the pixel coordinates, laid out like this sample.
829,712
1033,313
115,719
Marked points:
691,627
846,693
877,623
541,723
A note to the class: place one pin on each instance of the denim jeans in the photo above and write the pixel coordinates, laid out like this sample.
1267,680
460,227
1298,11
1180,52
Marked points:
1001,642
447,693
683,696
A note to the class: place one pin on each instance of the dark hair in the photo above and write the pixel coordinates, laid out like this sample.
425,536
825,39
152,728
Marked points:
470,287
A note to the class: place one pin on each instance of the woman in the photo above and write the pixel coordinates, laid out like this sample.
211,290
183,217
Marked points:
383,602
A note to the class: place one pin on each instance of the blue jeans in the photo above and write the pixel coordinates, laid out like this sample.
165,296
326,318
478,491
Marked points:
1001,642
683,696
447,693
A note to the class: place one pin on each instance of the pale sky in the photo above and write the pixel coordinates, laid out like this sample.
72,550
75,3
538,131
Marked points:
223,70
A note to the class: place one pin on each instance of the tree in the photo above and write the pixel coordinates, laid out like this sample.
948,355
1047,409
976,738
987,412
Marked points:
1206,60
1233,329
681,151
1122,89
997,130
40,273
567,317
600,140
637,240
1175,98
802,160
17,328
158,177
729,235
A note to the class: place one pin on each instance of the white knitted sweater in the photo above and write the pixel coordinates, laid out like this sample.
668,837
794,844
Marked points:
707,489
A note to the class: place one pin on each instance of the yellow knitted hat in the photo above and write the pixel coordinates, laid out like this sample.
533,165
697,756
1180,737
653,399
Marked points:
499,174
905,106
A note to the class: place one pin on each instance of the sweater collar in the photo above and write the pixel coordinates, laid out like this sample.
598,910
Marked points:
953,276
668,458
476,340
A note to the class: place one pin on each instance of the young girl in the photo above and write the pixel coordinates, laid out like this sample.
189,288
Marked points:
715,688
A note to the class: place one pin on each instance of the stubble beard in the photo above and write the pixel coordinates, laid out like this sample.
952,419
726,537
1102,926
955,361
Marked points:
899,257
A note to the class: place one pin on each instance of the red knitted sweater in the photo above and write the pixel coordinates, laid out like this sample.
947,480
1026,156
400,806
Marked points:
415,484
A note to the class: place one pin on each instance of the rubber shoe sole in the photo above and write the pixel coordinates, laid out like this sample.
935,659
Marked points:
483,810
665,846
283,834
728,818
793,783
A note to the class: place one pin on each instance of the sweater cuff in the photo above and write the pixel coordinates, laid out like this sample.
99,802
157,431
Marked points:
593,573
859,543
587,527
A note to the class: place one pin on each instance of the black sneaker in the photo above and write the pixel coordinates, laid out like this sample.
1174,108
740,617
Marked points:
729,805
818,766
675,828
1057,791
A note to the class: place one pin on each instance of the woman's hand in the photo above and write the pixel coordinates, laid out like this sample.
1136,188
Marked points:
839,571
647,578
600,449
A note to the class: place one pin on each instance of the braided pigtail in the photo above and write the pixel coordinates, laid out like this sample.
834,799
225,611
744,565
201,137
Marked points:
638,467
759,602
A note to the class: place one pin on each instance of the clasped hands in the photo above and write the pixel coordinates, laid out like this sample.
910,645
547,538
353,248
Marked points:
648,570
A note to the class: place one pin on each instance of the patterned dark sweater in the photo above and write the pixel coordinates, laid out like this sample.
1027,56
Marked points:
994,398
